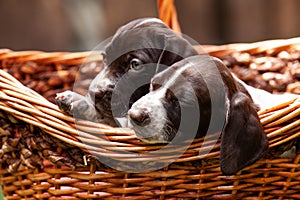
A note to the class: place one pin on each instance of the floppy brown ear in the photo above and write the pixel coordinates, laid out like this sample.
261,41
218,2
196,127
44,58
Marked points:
243,139
178,45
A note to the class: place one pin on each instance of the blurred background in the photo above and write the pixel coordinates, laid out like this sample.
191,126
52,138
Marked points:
79,25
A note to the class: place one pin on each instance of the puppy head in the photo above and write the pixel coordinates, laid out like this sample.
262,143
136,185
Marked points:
148,118
137,47
172,105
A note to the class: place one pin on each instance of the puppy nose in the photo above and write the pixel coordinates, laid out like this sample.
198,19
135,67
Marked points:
139,116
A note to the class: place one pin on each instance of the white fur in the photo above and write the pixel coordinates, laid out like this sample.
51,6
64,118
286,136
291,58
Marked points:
152,102
177,73
153,105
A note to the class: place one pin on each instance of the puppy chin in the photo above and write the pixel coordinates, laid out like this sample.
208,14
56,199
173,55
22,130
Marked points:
122,122
158,138
147,134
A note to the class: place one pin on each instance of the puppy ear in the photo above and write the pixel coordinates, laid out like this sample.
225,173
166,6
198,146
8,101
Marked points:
243,140
178,45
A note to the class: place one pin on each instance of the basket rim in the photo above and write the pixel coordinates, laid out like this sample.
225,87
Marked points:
269,46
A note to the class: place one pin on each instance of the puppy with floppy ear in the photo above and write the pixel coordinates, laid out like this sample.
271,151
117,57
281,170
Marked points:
223,103
144,47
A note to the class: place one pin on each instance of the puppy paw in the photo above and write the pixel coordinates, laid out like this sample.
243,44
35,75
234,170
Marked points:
83,109
64,101
76,105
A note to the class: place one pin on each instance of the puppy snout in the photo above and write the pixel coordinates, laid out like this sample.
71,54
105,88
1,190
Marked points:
101,89
98,94
139,116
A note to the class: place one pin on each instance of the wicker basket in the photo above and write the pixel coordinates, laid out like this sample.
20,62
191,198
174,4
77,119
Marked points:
43,157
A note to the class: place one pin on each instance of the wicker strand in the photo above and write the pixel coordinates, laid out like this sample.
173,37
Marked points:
292,171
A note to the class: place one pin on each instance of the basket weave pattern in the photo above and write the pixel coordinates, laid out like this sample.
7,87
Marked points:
42,155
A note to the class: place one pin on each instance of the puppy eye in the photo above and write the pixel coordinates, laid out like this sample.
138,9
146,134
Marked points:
135,64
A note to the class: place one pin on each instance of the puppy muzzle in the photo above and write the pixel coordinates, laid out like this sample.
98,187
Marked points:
147,117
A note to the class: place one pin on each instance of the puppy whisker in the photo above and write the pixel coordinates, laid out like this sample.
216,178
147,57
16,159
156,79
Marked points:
159,60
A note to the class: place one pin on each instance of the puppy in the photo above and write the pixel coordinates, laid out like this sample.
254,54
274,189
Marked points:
142,47
201,89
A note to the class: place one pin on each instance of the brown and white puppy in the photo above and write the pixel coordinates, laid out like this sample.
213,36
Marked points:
202,89
143,47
